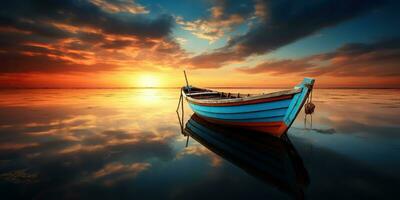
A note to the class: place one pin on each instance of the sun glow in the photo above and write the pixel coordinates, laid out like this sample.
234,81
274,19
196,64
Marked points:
148,81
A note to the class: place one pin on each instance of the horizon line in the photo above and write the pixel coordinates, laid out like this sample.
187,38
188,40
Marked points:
213,87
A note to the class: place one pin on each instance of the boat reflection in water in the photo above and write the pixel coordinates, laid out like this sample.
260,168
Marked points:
273,160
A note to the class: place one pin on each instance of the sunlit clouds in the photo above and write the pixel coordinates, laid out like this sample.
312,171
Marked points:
121,6
115,43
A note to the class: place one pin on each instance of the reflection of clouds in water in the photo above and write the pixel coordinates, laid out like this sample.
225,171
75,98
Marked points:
20,177
69,140
16,146
86,140
345,174
114,172
61,126
73,140
200,150
107,157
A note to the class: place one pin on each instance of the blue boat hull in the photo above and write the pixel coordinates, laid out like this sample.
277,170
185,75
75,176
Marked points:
273,115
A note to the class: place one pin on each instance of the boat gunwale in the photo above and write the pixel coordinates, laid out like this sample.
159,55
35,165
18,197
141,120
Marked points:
286,94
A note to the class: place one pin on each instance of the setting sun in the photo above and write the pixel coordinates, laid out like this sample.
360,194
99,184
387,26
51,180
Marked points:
148,81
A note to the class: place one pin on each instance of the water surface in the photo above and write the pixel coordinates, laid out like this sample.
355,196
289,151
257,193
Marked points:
128,144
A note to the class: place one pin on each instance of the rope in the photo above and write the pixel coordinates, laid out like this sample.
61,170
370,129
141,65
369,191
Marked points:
180,117
309,107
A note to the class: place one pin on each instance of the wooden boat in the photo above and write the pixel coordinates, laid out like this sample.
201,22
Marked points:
273,160
272,113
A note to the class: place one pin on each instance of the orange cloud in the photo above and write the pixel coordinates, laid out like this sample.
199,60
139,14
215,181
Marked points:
283,26
211,29
120,6
78,42
222,20
379,59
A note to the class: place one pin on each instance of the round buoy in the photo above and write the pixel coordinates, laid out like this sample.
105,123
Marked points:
309,108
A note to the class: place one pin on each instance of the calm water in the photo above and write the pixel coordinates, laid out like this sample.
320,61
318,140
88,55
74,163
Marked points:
127,144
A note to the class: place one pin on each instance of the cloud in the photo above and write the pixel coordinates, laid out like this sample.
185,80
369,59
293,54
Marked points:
283,22
82,14
83,36
377,59
117,44
211,29
224,16
49,63
120,6
279,67
213,60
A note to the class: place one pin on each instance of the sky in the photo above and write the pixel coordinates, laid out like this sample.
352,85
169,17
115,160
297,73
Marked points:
220,43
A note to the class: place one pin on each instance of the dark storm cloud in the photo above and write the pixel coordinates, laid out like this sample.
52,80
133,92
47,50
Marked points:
284,22
354,59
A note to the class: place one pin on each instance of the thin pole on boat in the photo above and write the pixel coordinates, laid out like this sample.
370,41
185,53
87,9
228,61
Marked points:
187,83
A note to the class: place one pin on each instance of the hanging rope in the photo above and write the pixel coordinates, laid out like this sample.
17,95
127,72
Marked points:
180,117
309,108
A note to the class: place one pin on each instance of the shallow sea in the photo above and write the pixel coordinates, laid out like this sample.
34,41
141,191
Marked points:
128,144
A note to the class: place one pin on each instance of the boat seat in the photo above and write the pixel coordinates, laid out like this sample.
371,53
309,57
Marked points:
201,93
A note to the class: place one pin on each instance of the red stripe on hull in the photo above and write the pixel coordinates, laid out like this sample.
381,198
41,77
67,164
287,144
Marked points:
245,102
273,128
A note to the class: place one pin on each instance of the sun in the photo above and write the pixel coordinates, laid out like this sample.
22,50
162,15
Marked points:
148,81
